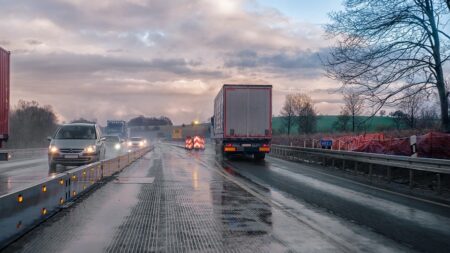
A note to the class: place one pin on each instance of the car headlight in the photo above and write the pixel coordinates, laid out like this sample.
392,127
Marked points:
141,143
53,149
90,149
129,144
117,146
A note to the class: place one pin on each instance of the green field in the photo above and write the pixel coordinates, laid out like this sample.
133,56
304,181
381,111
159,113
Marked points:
325,124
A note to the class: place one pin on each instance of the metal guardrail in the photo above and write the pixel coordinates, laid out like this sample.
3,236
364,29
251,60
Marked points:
24,208
16,154
438,166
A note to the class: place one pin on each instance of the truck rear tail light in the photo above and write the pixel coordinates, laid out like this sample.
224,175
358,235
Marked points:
264,148
229,148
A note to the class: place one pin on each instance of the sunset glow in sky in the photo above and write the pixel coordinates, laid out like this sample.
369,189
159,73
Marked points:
120,59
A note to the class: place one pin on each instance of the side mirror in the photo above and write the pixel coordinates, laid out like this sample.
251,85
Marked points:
49,138
103,139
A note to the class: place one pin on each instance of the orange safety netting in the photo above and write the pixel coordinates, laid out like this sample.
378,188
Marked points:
432,145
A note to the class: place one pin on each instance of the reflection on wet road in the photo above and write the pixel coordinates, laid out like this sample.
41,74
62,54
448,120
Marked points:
194,203
16,174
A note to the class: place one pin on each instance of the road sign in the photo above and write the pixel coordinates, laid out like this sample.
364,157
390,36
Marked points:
326,144
177,133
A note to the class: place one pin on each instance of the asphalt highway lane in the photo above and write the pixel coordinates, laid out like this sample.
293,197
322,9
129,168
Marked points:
173,200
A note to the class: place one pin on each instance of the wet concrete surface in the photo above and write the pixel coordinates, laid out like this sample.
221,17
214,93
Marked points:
16,174
196,203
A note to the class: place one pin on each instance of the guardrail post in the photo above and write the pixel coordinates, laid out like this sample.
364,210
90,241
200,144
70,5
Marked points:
389,174
370,171
411,178
343,164
332,162
356,168
438,179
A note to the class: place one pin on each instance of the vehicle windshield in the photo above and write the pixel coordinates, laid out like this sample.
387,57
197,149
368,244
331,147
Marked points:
136,139
76,132
112,138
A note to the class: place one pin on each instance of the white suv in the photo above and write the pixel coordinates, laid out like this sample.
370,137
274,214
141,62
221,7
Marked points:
76,144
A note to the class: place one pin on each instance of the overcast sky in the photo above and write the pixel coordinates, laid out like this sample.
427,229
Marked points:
102,59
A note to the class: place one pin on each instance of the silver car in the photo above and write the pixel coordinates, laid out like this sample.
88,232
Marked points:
136,142
76,144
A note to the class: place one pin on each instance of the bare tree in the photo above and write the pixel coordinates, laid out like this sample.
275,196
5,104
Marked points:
83,120
387,46
305,112
288,112
410,105
342,121
427,119
30,124
354,106
399,118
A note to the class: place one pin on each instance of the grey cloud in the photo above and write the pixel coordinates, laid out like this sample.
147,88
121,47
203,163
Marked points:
327,91
117,50
75,64
99,14
4,42
304,63
100,51
34,42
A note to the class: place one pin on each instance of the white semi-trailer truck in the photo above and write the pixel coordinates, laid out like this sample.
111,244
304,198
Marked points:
242,121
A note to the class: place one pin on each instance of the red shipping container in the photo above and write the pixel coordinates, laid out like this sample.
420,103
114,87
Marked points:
4,94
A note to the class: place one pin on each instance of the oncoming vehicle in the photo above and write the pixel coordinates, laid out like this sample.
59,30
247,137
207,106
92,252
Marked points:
137,142
113,142
76,144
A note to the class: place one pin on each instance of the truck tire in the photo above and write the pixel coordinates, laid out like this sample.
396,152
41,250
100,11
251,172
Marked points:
259,156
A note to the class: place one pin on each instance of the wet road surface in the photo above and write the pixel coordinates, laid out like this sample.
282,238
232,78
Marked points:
17,174
420,223
174,200
20,173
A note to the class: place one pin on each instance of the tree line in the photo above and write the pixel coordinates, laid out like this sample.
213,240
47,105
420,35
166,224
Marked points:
30,124
150,121
298,110
410,113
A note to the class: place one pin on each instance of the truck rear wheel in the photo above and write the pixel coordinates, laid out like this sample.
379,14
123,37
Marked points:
259,156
